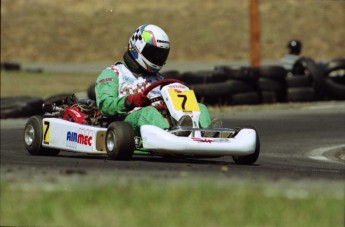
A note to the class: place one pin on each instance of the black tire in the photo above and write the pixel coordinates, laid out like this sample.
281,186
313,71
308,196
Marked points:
10,66
247,98
211,90
333,65
21,106
270,85
192,78
335,70
335,90
248,75
171,74
223,69
219,93
298,81
307,66
119,141
252,158
274,72
266,84
269,97
338,76
91,92
237,86
301,94
14,110
33,137
203,77
57,99
219,89
212,93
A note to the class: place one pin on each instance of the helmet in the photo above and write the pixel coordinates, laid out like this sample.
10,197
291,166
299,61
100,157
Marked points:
294,46
149,47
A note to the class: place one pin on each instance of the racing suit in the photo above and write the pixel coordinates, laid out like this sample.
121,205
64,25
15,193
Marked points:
116,82
288,61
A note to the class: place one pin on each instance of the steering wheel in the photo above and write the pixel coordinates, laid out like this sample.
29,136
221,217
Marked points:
156,84
160,83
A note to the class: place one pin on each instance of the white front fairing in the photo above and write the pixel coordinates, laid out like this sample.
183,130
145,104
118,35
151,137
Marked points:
180,100
70,136
159,141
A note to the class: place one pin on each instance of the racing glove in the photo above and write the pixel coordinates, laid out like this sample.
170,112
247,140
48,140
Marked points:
136,100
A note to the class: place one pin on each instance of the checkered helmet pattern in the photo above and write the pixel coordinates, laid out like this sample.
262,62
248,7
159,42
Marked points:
149,45
136,35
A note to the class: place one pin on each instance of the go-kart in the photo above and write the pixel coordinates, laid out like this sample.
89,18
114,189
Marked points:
78,126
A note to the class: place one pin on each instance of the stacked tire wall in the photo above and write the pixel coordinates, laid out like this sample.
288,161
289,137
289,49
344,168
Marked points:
226,85
334,73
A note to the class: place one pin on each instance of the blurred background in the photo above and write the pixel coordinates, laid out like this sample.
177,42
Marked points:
52,49
98,30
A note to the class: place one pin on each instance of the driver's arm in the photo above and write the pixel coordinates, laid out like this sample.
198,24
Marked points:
107,91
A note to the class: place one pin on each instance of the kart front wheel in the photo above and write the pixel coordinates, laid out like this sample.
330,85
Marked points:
119,141
249,159
33,137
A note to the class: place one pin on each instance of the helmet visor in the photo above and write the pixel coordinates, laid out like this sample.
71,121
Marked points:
156,55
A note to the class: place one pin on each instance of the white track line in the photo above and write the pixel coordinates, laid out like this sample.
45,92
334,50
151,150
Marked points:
318,154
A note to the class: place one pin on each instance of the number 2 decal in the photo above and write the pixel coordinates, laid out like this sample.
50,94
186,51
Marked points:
46,132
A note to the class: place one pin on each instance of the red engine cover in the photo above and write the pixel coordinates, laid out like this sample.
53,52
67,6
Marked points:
75,115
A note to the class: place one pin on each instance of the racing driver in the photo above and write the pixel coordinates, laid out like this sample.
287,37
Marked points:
119,87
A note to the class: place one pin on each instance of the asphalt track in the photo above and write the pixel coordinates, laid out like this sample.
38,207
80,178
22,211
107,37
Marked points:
298,143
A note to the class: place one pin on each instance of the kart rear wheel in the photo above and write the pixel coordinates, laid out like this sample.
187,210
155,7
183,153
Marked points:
33,137
119,141
249,159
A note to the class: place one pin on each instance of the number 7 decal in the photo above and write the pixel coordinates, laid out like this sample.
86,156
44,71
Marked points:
183,105
46,132
184,101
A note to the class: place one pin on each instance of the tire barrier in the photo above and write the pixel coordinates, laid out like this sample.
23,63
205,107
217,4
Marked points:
315,75
335,90
206,76
336,69
10,66
26,106
276,88
308,81
299,88
14,66
172,74
219,93
20,106
57,99
227,85
224,85
334,73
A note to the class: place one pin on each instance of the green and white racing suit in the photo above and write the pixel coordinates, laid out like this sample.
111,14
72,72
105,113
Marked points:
116,82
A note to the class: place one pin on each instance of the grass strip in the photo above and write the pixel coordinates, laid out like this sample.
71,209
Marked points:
44,84
160,203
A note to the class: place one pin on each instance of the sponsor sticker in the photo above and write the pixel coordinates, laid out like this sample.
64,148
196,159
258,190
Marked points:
105,80
82,137
201,140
